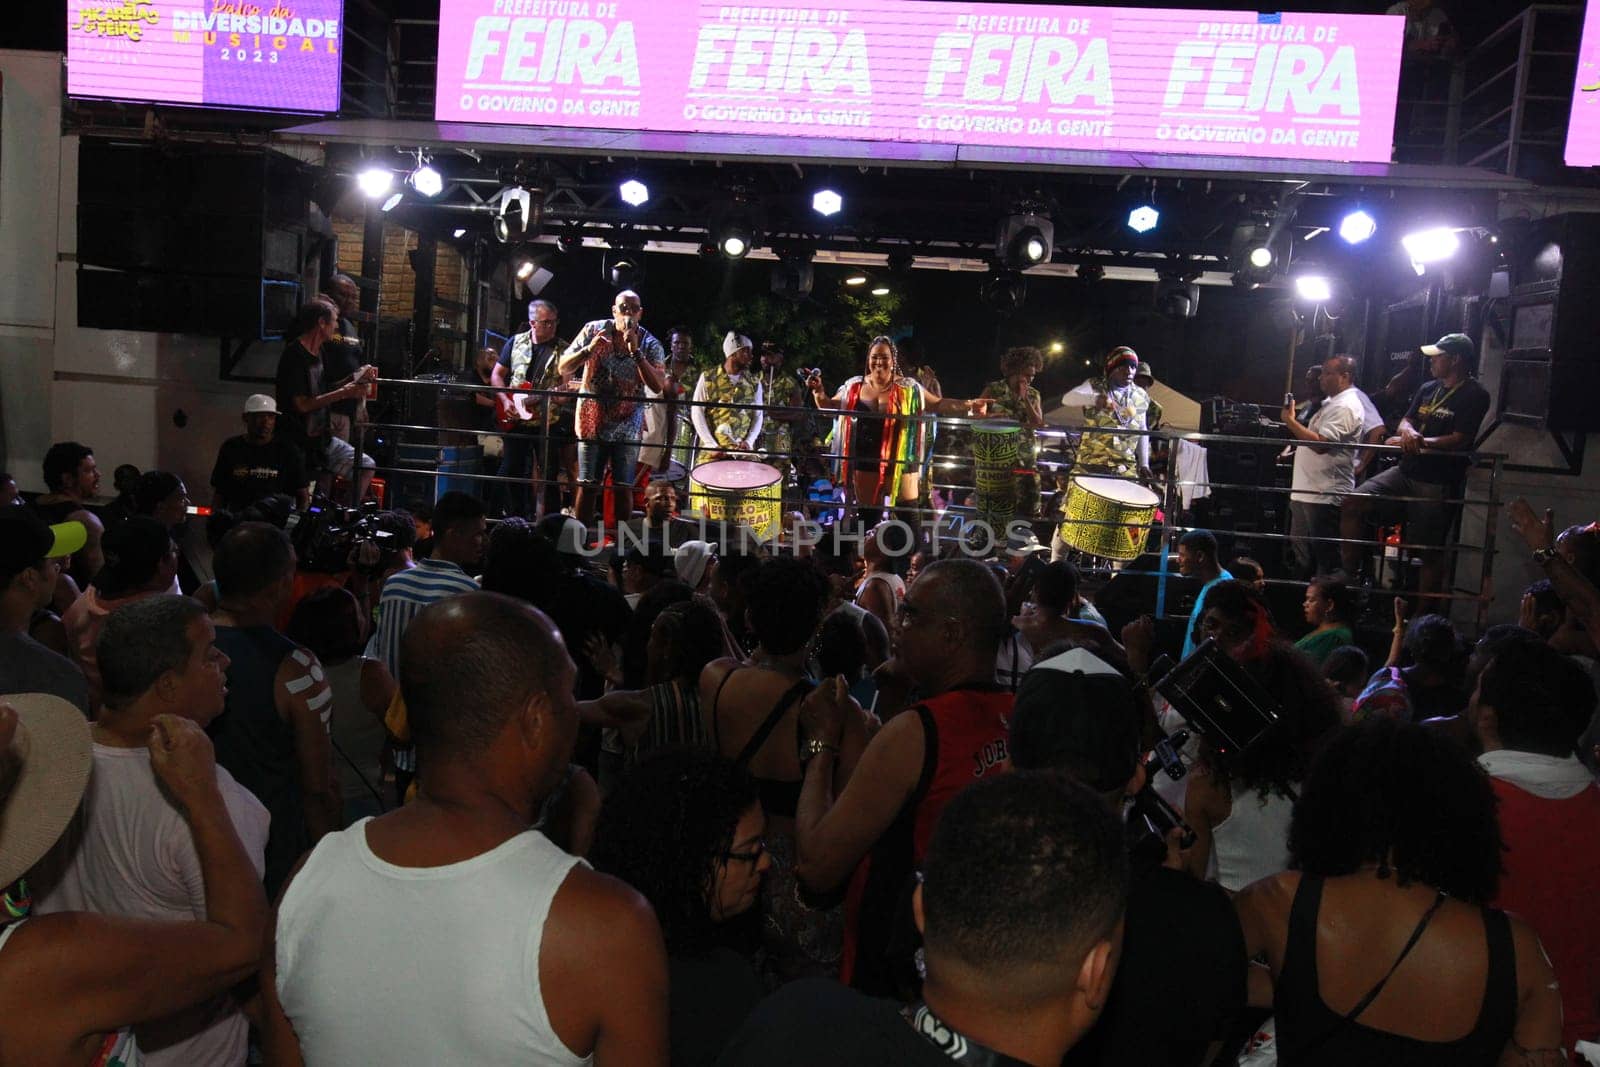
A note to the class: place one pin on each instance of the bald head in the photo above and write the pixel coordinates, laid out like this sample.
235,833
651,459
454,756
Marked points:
469,663
966,591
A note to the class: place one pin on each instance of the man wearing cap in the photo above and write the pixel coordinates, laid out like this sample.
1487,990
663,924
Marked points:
1118,403
1435,435
1144,378
258,463
1182,978
31,555
723,429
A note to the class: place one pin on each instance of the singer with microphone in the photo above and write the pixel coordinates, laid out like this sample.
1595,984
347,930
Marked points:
617,359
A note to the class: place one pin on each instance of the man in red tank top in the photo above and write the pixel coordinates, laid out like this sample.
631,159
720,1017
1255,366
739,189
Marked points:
1531,705
947,630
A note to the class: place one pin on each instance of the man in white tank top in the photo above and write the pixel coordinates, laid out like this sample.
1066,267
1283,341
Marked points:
449,931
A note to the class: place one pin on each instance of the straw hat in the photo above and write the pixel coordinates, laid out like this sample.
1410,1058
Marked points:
45,773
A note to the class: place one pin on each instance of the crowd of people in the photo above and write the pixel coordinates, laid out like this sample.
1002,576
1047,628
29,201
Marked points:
487,796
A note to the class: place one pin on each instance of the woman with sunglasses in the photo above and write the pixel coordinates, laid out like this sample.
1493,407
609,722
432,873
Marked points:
687,831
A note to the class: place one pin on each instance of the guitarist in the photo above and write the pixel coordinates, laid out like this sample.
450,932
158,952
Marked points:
529,361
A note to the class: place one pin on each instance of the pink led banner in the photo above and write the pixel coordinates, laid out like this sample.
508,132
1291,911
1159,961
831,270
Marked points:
271,55
1583,132
1291,86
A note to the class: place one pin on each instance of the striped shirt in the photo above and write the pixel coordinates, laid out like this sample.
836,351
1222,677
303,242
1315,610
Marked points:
405,594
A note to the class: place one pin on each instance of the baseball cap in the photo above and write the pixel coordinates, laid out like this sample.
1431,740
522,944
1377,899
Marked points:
568,534
1024,544
25,539
260,403
1456,344
1074,712
691,560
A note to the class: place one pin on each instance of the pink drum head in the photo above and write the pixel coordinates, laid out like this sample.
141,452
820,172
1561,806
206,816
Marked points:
735,475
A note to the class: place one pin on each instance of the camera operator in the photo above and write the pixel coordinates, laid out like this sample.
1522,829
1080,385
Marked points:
1182,977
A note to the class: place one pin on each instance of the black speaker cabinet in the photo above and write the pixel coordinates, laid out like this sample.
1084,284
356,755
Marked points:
189,238
1552,365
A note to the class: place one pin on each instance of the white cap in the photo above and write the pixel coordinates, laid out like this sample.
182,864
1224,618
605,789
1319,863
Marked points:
570,541
733,342
260,404
690,561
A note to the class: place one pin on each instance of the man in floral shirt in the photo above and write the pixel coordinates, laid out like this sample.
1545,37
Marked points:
726,429
617,358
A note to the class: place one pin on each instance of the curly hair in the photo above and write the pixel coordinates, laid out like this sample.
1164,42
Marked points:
1336,593
1404,796
785,599
1024,359
636,638
666,828
693,632
1308,707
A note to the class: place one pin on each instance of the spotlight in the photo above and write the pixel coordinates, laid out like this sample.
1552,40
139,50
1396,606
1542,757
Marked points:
375,182
793,276
1177,295
857,278
459,233
1056,348
427,181
900,262
826,202
1024,240
1004,291
880,290
735,240
623,268
1357,226
1260,257
1431,246
500,228
569,242
525,270
1143,219
1315,288
393,201
633,192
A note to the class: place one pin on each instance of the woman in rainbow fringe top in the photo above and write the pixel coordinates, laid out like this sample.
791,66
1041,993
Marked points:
881,458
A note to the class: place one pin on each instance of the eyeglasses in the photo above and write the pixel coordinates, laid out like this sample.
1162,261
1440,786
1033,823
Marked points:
545,322
753,856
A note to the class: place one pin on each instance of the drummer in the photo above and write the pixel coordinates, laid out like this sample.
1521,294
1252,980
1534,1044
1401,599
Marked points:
883,457
1115,402
1015,397
784,403
726,431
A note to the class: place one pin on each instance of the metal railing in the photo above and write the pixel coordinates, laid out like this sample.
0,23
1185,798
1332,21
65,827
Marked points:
952,518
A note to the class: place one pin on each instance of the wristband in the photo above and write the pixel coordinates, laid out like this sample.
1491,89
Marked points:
810,748
1543,556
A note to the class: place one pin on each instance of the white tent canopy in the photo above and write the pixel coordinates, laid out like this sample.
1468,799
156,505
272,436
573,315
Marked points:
1178,411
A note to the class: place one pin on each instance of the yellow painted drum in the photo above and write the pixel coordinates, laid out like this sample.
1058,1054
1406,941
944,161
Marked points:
994,470
739,492
1107,517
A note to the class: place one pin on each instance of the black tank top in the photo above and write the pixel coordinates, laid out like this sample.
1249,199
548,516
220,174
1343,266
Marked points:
256,745
1310,1034
778,797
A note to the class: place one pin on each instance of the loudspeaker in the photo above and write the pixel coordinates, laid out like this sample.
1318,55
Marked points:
1552,369
189,239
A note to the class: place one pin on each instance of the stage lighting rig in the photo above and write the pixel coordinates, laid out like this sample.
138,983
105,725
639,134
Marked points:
1431,246
1024,239
1177,293
1004,291
793,275
855,278
827,203
880,289
735,240
1144,218
634,192
1252,255
623,266
375,182
1313,288
1091,273
393,201
1357,226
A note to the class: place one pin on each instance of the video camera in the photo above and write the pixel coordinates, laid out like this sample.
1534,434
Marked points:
329,538
1220,702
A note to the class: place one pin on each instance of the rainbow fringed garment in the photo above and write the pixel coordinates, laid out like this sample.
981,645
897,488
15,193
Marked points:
904,443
